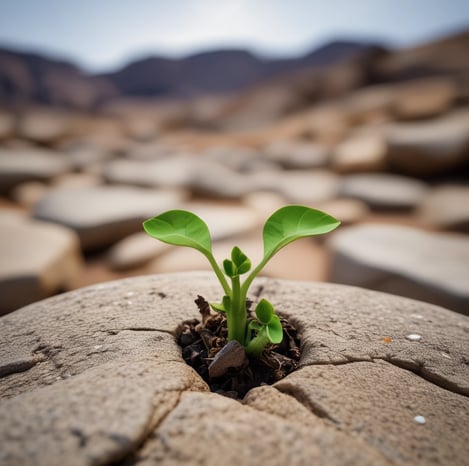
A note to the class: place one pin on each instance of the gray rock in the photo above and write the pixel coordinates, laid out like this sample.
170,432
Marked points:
384,191
299,186
83,155
240,159
298,154
405,261
446,207
20,165
106,382
38,260
134,251
172,172
428,148
102,215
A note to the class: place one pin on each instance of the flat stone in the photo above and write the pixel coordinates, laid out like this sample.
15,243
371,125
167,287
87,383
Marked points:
298,154
172,172
428,148
102,215
240,159
299,186
100,374
424,98
82,155
446,207
384,191
20,165
43,127
360,153
38,260
134,251
404,260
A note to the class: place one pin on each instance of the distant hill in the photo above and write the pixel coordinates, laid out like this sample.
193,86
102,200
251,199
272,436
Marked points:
219,71
31,78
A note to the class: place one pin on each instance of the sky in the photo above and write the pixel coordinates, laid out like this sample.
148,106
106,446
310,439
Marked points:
102,35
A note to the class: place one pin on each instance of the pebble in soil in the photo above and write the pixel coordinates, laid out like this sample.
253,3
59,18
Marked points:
224,365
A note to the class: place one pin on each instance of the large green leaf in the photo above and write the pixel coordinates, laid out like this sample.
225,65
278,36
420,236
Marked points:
264,311
180,228
294,222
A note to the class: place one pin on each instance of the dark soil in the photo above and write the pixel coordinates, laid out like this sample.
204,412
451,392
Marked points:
201,340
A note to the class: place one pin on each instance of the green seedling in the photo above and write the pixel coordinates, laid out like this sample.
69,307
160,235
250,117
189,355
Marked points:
182,228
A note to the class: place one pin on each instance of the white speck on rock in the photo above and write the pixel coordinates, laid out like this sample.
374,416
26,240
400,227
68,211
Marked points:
414,337
420,420
130,293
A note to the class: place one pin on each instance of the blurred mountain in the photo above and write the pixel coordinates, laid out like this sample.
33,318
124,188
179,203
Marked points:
219,71
30,78
330,70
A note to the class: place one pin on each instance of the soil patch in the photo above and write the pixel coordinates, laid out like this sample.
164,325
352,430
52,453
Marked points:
202,341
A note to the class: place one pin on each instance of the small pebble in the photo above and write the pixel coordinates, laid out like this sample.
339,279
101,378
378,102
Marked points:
420,420
414,337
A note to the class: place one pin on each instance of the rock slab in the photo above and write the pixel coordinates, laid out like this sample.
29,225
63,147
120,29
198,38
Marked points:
94,376
406,261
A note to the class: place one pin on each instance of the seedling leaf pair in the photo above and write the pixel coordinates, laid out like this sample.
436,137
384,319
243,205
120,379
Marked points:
182,228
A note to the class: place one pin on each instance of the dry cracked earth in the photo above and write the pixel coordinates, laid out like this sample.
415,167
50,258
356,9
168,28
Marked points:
95,377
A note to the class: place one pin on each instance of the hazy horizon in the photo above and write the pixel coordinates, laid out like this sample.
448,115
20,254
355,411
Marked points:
103,36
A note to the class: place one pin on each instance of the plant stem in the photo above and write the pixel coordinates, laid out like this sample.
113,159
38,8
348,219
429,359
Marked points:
238,314
257,344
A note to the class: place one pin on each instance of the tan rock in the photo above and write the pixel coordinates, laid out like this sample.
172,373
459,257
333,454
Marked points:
424,98
298,154
348,211
28,194
99,373
44,127
446,207
405,261
360,153
7,125
38,260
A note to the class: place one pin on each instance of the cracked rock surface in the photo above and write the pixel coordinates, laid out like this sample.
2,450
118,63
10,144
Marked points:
95,377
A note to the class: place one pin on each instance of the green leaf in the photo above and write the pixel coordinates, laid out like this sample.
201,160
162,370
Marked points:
180,228
224,306
264,311
274,330
229,268
254,325
293,222
240,260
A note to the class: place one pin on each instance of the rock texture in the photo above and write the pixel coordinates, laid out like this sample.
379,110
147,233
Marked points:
38,259
405,261
95,377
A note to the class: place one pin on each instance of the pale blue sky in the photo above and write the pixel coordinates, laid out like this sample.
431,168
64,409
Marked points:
103,34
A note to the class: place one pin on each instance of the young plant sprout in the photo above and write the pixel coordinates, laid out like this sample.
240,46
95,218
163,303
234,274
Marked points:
289,223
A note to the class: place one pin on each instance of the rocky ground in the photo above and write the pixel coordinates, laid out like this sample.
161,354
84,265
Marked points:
390,161
95,376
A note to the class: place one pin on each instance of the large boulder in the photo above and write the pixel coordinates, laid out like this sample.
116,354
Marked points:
38,260
430,147
405,261
95,377
102,215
